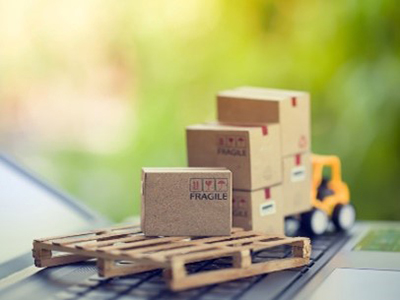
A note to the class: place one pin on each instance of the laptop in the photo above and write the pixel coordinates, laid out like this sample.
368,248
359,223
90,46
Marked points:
361,264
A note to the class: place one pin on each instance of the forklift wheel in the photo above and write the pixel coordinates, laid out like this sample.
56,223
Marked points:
344,216
292,226
315,221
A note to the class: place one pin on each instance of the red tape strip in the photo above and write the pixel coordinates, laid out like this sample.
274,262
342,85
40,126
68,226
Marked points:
294,101
298,159
267,193
264,130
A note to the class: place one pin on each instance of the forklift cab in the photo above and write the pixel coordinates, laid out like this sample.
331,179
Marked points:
330,197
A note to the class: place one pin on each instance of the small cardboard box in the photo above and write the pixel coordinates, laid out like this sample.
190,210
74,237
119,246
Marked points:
260,210
252,153
186,201
291,109
297,183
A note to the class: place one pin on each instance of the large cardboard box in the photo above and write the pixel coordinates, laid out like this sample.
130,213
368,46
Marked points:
186,201
253,154
260,210
291,109
297,172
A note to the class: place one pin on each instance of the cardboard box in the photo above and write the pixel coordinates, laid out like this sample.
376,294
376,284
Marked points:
253,154
291,109
186,201
260,210
297,172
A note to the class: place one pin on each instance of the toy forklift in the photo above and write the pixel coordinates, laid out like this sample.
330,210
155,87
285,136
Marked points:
330,197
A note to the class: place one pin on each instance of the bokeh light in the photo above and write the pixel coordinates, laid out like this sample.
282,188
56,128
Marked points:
91,91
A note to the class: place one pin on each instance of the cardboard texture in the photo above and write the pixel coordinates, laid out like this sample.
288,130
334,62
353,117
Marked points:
260,210
252,153
291,109
186,201
297,183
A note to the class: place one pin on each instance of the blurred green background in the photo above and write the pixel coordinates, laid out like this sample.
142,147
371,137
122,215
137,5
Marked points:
91,91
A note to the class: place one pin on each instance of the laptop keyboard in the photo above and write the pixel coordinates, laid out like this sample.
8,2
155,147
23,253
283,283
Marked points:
150,285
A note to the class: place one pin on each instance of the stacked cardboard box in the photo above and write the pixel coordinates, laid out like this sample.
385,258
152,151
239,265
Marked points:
263,137
290,109
253,155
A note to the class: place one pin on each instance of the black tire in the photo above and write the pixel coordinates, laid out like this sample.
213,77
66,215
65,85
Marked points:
292,226
344,217
315,222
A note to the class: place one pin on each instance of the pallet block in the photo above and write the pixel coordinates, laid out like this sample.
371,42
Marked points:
125,250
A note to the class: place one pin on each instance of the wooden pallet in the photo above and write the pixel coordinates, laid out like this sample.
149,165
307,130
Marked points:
125,250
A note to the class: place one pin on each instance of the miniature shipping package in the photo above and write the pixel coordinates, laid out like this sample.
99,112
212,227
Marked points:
260,210
252,153
291,109
297,183
186,201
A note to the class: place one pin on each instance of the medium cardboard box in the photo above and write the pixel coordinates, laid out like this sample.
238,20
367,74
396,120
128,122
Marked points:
297,183
253,154
186,201
260,210
291,109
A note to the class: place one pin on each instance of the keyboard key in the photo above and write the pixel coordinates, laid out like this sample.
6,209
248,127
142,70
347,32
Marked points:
214,297
99,295
226,289
174,297
153,285
89,283
210,267
220,293
143,275
78,289
157,280
300,269
129,297
189,294
316,254
98,278
126,281
194,267
224,261
113,288
272,254
144,293
321,243
64,295
257,259
271,285
233,284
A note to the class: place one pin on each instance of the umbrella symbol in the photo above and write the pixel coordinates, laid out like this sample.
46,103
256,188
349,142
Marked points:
221,184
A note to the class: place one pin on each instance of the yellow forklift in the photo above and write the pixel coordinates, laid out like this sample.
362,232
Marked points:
330,197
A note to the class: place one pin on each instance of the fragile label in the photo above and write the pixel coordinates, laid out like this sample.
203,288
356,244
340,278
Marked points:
298,174
268,208
239,208
208,189
233,145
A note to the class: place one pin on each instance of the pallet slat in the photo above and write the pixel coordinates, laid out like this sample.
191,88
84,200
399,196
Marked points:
125,250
